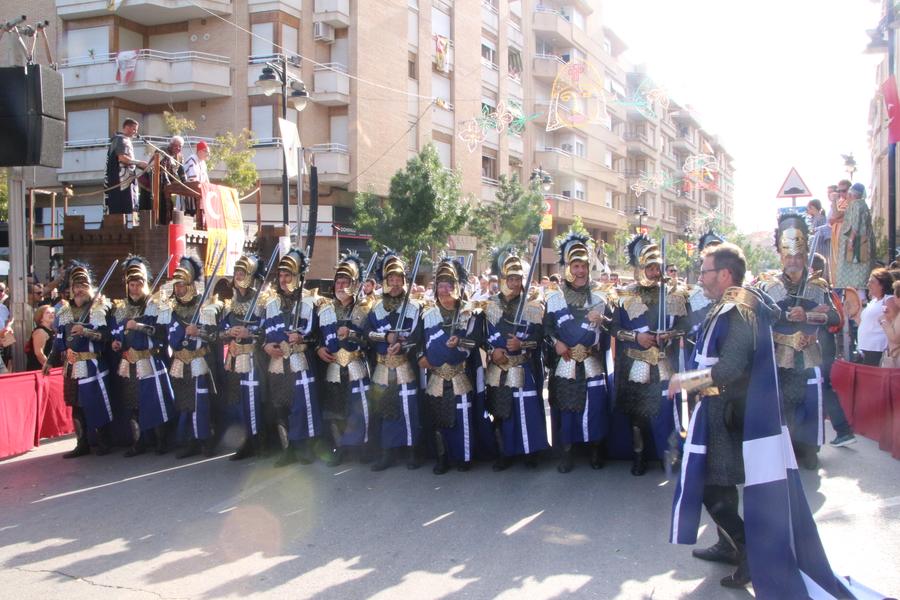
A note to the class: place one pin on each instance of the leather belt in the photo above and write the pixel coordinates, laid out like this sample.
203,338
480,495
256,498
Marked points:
73,357
344,357
187,356
288,349
392,361
235,349
132,355
516,360
797,340
447,371
650,355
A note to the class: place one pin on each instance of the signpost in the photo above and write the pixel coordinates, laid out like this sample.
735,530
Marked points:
794,187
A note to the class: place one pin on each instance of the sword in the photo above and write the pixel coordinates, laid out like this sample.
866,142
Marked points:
526,283
150,330
298,308
87,313
251,310
403,305
207,290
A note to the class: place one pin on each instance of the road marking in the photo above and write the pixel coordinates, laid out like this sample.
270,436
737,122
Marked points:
127,479
522,523
232,502
436,519
856,508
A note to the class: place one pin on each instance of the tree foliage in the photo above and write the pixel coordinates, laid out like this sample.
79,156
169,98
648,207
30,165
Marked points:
512,217
177,125
577,226
423,209
236,153
760,257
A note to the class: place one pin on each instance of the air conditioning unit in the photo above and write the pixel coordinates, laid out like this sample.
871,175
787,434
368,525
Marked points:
323,32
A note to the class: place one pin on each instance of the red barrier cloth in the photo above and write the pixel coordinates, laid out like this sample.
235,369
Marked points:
870,397
31,408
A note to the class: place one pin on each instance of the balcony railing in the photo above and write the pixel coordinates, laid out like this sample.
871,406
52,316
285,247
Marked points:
331,84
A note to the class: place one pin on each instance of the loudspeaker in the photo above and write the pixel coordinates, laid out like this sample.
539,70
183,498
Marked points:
32,117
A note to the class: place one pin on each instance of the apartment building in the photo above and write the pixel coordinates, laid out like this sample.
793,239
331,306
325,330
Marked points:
385,78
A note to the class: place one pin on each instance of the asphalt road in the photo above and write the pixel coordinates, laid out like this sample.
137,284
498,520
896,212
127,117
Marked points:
156,527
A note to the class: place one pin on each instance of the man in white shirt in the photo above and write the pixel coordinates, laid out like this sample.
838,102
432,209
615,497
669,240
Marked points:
195,170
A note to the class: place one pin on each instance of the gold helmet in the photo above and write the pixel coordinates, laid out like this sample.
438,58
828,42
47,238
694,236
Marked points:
792,235
575,247
350,267
507,263
643,252
137,269
296,263
189,272
451,270
391,264
79,272
251,265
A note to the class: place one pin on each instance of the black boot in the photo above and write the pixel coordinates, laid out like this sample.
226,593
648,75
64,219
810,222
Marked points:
162,439
502,462
412,459
306,455
530,461
597,456
568,461
82,448
741,576
192,448
639,463
137,444
288,456
208,447
386,460
441,465
247,449
104,444
722,551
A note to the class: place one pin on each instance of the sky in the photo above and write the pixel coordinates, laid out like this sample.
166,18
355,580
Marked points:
782,83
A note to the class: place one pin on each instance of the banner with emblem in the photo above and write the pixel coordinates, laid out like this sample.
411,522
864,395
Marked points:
224,226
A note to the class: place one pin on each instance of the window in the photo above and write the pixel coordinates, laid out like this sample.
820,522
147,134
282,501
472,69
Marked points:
580,147
261,40
488,101
608,159
609,199
87,43
607,46
262,121
289,40
542,46
489,167
412,27
412,68
488,52
88,125
440,22
440,87
412,138
444,151
338,129
514,63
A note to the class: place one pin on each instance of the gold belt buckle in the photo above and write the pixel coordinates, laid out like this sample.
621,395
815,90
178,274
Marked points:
448,372
709,391
344,357
392,361
579,352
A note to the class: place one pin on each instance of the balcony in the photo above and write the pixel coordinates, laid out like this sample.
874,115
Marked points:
158,77
515,36
640,143
684,142
514,86
333,163
490,20
442,118
490,74
592,214
516,145
555,160
546,66
331,85
290,7
489,187
145,12
84,161
554,26
333,12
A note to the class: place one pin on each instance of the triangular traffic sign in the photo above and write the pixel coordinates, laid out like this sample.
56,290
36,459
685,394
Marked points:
793,186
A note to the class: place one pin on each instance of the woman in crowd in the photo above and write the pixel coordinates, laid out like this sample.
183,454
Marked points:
891,325
871,340
38,348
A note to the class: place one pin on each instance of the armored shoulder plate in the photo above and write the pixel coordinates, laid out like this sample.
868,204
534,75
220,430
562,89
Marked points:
273,306
816,290
493,311
432,317
632,302
556,300
64,314
210,312
775,288
676,303
698,299
534,312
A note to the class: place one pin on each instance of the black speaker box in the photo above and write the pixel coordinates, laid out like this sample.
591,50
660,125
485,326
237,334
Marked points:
32,117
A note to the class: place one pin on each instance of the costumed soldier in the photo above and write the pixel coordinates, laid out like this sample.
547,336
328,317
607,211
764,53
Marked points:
574,323
191,329
244,386
449,352
290,338
81,336
142,377
341,321
806,306
515,373
642,352
394,392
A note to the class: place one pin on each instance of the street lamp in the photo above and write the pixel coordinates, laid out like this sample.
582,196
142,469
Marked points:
541,177
275,77
641,212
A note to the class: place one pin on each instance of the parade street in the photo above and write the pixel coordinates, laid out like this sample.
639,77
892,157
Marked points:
154,527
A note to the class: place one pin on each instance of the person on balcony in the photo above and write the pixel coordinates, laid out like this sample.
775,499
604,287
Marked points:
121,171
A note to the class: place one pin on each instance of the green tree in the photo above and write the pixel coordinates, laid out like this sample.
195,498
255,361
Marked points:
577,226
423,209
236,153
511,218
759,258
177,125
4,195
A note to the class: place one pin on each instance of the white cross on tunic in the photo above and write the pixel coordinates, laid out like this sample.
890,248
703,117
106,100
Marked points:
251,384
464,405
160,396
817,380
520,395
361,390
587,403
305,381
407,392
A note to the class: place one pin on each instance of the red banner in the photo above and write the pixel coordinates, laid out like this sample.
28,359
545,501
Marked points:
177,245
892,105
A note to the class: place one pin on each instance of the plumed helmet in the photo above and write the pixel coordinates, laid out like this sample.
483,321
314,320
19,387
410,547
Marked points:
188,271
451,269
78,272
390,264
643,252
505,263
296,263
350,267
250,264
708,240
575,247
792,235
137,269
